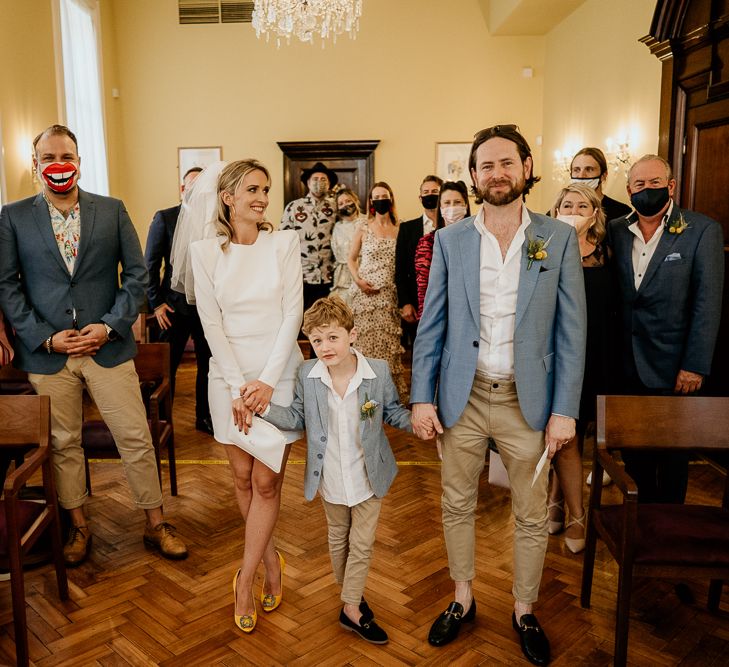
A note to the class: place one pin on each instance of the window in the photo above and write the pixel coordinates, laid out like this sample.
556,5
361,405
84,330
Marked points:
82,92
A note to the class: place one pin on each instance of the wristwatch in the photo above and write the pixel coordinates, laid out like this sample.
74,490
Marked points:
110,333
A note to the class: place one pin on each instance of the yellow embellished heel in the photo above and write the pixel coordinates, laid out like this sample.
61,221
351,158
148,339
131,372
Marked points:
247,622
270,602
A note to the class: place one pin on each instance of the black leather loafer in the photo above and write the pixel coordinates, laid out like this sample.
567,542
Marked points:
534,643
368,630
446,627
364,609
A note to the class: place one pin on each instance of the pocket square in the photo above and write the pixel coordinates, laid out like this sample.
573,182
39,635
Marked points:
673,257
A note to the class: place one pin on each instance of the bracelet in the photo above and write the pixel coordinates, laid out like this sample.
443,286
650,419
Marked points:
49,344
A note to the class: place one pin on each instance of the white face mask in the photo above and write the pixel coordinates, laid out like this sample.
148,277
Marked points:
453,214
589,182
579,222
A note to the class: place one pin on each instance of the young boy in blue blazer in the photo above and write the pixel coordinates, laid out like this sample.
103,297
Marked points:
342,399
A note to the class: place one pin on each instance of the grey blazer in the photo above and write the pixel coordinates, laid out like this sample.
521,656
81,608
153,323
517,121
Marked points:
39,296
310,410
671,322
549,333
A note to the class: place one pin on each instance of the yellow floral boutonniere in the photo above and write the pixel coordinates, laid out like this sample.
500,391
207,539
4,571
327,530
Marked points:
537,250
677,226
367,410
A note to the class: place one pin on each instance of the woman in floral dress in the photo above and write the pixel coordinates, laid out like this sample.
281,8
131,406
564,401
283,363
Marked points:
374,298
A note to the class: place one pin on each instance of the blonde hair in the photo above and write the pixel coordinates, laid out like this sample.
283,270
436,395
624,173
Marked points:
330,310
350,193
228,181
596,233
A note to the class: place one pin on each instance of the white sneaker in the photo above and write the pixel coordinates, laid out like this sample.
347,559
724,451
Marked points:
606,479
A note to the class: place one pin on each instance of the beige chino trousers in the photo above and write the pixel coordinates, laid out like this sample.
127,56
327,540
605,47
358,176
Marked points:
351,541
118,398
493,411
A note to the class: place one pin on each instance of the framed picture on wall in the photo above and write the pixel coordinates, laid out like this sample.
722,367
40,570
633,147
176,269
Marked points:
197,156
451,161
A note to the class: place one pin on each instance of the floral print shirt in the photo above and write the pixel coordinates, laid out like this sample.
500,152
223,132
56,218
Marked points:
313,219
67,232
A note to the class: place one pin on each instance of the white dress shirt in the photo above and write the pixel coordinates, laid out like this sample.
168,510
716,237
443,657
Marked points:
344,478
643,250
499,280
428,225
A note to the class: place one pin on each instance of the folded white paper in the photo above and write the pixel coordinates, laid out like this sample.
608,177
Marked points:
263,441
540,465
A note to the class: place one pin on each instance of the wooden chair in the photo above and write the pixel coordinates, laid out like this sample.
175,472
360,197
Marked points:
655,540
26,424
153,367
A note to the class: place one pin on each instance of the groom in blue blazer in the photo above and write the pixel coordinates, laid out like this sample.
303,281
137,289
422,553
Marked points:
500,349
670,272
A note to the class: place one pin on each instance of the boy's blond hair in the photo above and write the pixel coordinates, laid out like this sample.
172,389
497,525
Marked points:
328,310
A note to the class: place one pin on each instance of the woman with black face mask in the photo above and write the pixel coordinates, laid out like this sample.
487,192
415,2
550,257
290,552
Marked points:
348,216
374,297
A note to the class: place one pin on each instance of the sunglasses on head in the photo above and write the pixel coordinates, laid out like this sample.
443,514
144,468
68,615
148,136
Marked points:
498,129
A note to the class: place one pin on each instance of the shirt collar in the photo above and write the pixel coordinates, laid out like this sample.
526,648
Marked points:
525,220
364,370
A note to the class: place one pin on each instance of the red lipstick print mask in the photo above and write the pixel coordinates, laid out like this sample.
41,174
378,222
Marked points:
59,176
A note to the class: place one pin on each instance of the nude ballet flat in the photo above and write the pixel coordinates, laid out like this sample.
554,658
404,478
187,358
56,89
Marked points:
576,544
555,527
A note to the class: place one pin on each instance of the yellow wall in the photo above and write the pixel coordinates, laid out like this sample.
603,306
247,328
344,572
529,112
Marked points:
413,77
600,82
27,87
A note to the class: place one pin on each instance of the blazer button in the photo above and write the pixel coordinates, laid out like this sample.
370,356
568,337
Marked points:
323,438
320,456
69,311
73,283
316,473
475,343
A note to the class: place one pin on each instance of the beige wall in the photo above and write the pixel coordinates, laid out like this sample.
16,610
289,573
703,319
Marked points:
27,87
410,79
600,82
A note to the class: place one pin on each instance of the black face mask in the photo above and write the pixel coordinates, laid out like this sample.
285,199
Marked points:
650,201
381,206
346,211
429,201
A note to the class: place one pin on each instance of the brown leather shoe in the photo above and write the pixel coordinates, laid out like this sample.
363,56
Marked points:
77,548
162,537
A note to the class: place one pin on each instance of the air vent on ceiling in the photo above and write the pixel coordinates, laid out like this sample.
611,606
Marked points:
215,11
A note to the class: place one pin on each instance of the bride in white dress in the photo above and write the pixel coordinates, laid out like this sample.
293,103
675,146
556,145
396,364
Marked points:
248,290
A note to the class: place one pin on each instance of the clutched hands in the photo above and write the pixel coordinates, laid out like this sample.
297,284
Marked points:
242,416
256,395
425,421
75,343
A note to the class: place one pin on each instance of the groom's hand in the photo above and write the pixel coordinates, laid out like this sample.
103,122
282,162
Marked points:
425,421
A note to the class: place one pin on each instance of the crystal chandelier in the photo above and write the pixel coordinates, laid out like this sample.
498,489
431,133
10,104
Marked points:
306,18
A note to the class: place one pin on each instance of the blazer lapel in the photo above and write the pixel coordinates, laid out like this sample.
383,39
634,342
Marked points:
363,392
88,213
43,221
322,400
470,241
528,277
664,245
624,250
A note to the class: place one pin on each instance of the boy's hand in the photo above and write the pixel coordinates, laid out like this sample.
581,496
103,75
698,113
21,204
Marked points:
425,421
257,395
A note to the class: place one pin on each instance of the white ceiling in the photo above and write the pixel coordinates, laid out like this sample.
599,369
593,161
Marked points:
525,17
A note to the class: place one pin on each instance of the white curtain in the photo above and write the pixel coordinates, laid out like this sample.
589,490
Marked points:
82,81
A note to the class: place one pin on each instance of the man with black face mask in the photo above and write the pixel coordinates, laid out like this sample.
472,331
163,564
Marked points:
670,268
409,234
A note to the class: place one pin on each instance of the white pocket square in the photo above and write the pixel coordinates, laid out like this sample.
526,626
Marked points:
673,257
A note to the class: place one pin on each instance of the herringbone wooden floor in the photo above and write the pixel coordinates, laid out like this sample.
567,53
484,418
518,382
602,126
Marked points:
130,607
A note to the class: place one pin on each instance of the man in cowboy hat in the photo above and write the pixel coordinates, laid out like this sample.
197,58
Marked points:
313,218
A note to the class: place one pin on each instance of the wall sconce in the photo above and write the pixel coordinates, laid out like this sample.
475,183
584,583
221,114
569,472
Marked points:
561,165
618,155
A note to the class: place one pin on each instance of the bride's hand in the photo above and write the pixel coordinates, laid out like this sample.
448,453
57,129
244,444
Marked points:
257,395
242,416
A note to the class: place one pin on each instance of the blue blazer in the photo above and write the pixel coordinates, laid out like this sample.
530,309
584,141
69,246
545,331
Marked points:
38,295
310,410
549,334
672,321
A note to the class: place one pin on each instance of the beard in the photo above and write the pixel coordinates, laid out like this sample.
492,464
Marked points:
516,189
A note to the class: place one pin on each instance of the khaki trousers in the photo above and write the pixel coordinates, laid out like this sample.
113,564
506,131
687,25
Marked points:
493,411
116,393
351,539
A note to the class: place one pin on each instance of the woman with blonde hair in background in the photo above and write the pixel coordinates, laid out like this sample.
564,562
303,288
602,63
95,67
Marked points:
348,216
579,206
374,297
248,290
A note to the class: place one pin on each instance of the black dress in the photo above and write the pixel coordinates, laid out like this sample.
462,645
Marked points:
599,293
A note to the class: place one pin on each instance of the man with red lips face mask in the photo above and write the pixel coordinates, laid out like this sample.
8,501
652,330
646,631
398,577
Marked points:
60,253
